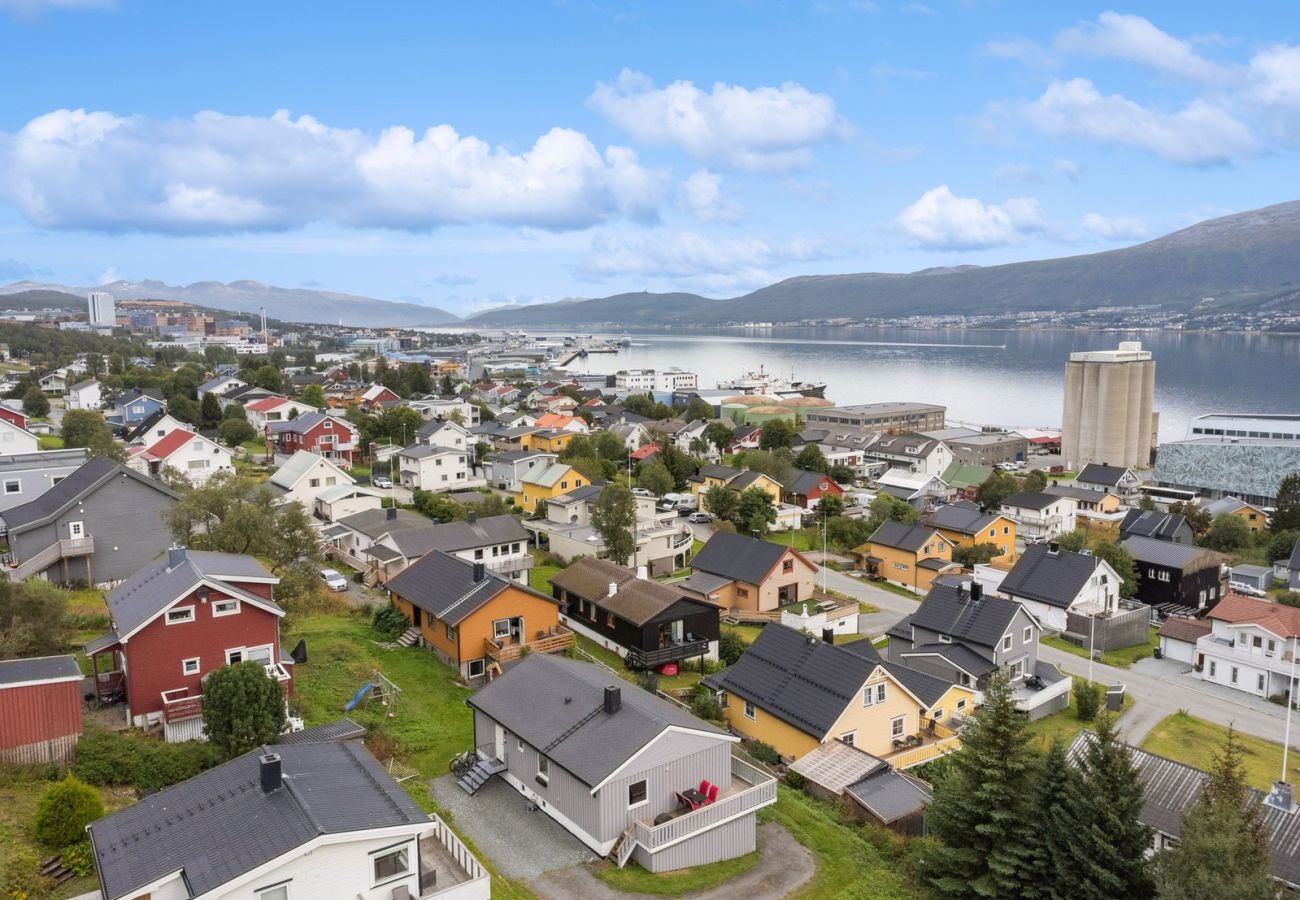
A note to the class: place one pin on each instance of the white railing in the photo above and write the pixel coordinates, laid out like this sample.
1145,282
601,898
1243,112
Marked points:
1279,660
762,792
477,885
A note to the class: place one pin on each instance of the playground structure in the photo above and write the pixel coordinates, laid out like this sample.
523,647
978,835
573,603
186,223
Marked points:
379,689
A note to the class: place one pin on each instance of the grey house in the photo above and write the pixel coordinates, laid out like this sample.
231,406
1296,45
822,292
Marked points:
99,524
1158,526
608,762
25,476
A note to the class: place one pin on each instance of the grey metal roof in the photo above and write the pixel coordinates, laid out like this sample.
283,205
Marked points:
338,730
901,537
444,587
42,668
220,825
151,589
890,795
959,655
85,479
738,557
1030,500
1054,578
1097,473
703,583
1074,493
1175,556
1294,562
948,609
453,536
963,517
1160,526
556,705
374,522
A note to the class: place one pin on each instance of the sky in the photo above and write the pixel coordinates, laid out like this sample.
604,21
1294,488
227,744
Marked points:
472,155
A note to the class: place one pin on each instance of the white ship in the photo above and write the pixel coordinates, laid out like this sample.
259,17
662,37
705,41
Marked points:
768,385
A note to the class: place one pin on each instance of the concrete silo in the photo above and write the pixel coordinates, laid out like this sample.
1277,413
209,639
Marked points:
1108,416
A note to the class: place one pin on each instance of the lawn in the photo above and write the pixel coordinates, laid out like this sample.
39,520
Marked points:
1066,724
539,578
1119,658
637,880
49,442
254,448
1187,739
803,540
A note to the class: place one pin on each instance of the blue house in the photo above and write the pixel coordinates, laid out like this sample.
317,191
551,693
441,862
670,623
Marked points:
134,406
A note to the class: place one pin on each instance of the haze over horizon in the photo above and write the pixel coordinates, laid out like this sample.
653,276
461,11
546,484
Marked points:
465,159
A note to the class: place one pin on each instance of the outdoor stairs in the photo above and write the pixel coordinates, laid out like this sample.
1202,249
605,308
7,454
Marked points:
478,776
409,637
621,852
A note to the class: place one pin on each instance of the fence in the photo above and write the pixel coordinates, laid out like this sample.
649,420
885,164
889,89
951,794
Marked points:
1126,627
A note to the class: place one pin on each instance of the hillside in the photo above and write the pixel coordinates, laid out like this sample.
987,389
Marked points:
1246,258
286,304
35,300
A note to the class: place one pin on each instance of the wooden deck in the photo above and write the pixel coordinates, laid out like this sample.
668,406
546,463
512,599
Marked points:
551,643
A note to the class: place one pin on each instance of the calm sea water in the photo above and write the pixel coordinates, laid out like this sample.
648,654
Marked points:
1009,378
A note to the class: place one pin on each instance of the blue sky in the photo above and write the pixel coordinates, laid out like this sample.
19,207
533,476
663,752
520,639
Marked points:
469,155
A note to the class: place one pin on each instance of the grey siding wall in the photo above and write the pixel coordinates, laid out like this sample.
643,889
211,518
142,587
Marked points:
35,473
1020,648
735,838
933,665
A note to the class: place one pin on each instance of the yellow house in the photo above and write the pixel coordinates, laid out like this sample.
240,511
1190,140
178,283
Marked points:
1254,517
710,476
473,618
447,367
537,487
547,441
911,556
966,525
795,692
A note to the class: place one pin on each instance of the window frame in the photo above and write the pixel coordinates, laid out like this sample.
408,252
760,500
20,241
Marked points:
403,849
218,614
264,893
188,610
185,664
543,774
18,482
750,710
897,726
482,668
645,794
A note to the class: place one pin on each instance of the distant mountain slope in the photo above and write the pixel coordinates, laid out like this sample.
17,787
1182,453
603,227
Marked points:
286,304
26,301
1238,259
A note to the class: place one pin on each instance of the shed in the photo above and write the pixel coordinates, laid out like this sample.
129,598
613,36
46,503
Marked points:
40,709
873,790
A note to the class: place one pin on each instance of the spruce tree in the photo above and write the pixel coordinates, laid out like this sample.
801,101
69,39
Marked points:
1051,868
981,809
1112,843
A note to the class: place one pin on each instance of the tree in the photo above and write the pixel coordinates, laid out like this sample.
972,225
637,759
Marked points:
1123,563
680,465
1228,534
35,403
1147,503
812,459
313,395
996,488
1073,541
655,478
1286,515
721,501
756,511
1196,517
209,411
1111,842
841,474
243,708
1222,849
33,619
234,432
845,534
1281,543
94,365
64,811
614,518
697,409
234,411
886,506
719,434
977,555
438,507
183,408
416,379
115,363
268,378
1034,480
85,428
776,433
829,507
982,803
1052,860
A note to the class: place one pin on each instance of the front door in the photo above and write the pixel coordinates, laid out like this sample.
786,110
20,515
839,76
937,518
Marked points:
500,743
415,616
76,530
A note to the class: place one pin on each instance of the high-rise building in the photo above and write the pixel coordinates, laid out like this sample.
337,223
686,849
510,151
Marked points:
102,311
1108,416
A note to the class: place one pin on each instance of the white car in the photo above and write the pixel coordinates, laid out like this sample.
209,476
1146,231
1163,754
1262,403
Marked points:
333,580
1248,590
642,492
380,481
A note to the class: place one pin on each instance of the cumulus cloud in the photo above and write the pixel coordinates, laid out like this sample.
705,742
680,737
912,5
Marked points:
1115,228
1068,169
1021,50
701,195
220,173
764,128
940,220
1137,40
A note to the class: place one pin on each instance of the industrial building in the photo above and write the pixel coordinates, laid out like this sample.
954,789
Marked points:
102,312
1245,425
890,417
1108,416
1250,469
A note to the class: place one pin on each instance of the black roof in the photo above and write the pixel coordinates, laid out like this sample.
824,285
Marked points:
963,517
959,655
1099,473
901,537
444,586
1294,562
738,557
1154,524
42,668
1187,558
948,609
220,825
802,481
1054,577
1031,500
87,478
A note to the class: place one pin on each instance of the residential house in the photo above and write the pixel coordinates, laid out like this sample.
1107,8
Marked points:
84,395
742,574
305,476
1053,583
154,429
506,470
646,622
917,489
1109,480
1040,516
55,382
796,692
1157,526
1251,646
12,415
263,412
633,435
99,524
538,485
738,480
1186,576
183,452
745,437
1096,506
354,535
983,448
690,440
1291,568
1177,638
374,397
329,821
444,433
14,440
249,393
26,476
332,437
546,439
343,500
499,542
965,479
865,787
221,384
911,556
176,619
1255,518
473,618
433,407
132,407
40,710
805,489
913,452
562,422
965,524
608,761
661,541
424,467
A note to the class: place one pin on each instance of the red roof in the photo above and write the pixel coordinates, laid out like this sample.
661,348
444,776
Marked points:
645,452
267,404
1236,609
174,441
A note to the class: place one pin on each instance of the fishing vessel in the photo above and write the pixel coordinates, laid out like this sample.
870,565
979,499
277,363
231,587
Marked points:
769,385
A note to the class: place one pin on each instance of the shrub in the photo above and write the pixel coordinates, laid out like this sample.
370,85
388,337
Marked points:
794,779
22,876
242,708
764,753
705,705
730,646
389,622
64,811
1087,701
78,858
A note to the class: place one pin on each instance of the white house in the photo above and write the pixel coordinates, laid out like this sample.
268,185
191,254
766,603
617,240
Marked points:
1250,646
55,382
191,455
632,434
305,477
914,452
15,440
222,384
149,433
1040,516
274,409
443,407
84,395
432,468
1051,583
334,503
444,433
635,381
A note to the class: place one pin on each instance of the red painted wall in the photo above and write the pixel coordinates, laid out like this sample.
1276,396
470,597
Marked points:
39,712
16,417
154,654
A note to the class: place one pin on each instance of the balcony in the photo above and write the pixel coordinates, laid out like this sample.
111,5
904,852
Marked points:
505,649
936,741
1278,661
67,548
649,659
179,704
447,868
510,564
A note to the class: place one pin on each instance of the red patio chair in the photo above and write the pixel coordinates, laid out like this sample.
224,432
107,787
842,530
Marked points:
713,794
704,787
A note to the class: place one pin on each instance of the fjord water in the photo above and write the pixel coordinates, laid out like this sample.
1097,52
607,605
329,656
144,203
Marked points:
970,372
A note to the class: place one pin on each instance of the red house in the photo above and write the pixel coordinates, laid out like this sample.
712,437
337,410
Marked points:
14,416
40,709
175,621
329,436
805,489
375,397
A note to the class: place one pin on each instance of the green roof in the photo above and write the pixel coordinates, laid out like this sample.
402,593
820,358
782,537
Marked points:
960,476
550,475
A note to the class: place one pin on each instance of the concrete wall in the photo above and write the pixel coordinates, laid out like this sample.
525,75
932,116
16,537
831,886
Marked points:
1108,415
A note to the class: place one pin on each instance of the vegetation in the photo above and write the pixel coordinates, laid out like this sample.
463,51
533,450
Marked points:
1195,742
64,811
755,512
87,428
1065,725
636,880
1286,515
234,432
33,619
389,623
613,516
655,478
35,403
721,501
130,758
731,645
243,708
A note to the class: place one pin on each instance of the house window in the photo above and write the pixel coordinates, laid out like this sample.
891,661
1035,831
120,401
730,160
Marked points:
1006,642
450,632
13,486
1017,669
478,554
742,593
961,705
180,614
1212,668
750,712
1259,683
943,639
197,464
1028,634
937,715
276,892
76,529
896,726
225,608
500,628
1257,641
329,425
787,566
1164,576
190,666
475,668
1233,676
390,864
313,482
514,548
1151,573
543,770
849,737
637,794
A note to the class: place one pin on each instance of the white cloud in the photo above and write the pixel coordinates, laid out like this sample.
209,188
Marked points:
1200,133
108,276
1069,169
1115,228
1021,50
701,195
919,9
940,220
766,128
1016,173
220,173
1135,39
1275,77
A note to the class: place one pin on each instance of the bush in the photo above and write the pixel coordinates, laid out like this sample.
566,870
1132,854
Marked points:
78,858
22,876
764,753
1087,701
389,622
705,705
730,646
795,780
64,811
107,758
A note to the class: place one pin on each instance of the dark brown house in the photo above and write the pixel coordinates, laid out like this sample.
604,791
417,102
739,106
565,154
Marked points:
646,622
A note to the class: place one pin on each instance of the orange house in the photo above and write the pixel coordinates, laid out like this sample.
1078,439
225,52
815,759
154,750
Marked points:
472,618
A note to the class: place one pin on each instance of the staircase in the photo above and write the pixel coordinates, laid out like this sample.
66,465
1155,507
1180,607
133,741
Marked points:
409,637
621,852
478,776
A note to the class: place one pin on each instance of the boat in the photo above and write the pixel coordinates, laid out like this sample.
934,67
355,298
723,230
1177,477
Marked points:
764,384
625,340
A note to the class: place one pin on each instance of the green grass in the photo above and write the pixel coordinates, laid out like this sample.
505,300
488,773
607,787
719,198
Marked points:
49,442
254,448
1122,658
1064,476
539,578
636,880
1066,724
803,540
1195,742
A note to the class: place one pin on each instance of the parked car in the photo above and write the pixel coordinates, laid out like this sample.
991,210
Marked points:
333,580
381,481
699,518
642,492
1247,589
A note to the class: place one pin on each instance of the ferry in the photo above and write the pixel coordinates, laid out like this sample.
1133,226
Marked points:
764,384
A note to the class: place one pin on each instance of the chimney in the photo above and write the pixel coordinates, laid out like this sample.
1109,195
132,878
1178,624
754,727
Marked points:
613,588
976,592
175,556
391,513
270,772
613,700
480,571
828,635
642,573
472,516
1053,548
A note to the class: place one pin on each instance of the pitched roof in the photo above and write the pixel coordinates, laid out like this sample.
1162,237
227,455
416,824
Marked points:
308,421
1030,500
85,479
171,442
1160,526
299,465
444,586
636,600
901,537
740,557
44,669
1235,609
959,655
549,476
204,827
745,480
802,481
1097,473
1188,630
1177,556
374,522
948,609
1294,562
453,536
557,706
267,403
1051,577
890,795
83,384
963,517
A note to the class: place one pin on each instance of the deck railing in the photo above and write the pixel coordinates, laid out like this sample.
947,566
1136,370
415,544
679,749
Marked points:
906,759
66,548
761,792
476,884
180,704
552,643
645,659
